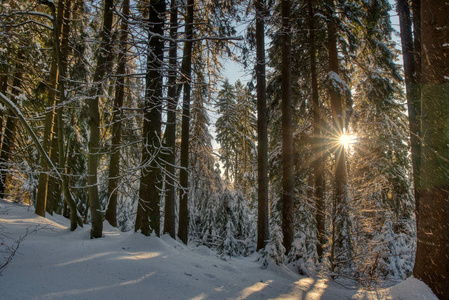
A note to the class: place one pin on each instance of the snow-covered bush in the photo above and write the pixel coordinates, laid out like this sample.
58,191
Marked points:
302,257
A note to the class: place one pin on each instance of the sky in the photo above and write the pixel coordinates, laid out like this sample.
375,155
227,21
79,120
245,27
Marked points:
234,70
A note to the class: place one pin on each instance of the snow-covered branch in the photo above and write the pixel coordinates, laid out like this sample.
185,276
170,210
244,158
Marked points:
18,113
29,13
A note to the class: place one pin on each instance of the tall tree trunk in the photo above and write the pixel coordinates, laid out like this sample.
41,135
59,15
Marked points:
169,221
262,131
42,200
432,254
318,164
340,236
3,88
11,127
148,211
416,7
114,164
103,65
412,90
183,230
287,130
53,186
74,218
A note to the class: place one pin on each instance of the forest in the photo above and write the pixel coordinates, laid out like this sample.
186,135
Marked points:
330,156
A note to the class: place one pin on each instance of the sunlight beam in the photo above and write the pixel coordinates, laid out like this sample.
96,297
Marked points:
346,140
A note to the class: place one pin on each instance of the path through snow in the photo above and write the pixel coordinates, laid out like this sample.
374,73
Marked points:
54,263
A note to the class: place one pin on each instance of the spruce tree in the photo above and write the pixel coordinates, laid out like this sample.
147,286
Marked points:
287,129
148,211
432,254
262,129
114,164
186,70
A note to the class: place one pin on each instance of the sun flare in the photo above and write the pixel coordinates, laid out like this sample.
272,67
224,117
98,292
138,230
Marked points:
346,139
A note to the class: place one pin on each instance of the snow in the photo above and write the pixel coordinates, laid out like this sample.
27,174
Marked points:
55,263
405,290
337,83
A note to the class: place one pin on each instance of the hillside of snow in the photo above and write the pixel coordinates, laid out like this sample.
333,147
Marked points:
53,263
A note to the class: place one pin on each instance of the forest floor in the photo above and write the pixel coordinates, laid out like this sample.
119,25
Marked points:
53,263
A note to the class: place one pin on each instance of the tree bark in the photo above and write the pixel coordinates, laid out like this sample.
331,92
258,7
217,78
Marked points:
53,186
432,254
318,164
183,231
5,69
42,199
114,164
148,211
262,131
413,91
103,64
75,220
169,220
3,88
11,127
340,238
287,130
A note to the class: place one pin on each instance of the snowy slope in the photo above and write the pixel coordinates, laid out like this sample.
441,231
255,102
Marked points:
54,263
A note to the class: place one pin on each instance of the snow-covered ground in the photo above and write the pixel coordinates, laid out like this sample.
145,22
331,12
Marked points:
54,263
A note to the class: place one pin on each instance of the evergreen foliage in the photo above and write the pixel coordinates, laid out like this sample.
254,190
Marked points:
344,211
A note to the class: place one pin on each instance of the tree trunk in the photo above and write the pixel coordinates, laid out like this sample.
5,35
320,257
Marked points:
287,130
262,131
74,218
114,165
11,127
169,221
340,236
103,62
412,90
183,230
148,211
42,200
53,186
432,254
3,88
318,164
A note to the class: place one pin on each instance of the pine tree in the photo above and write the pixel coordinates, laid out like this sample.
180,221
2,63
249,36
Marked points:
287,130
432,254
205,182
148,212
340,229
186,70
226,127
42,197
114,165
411,73
74,218
318,165
169,220
11,125
235,127
262,129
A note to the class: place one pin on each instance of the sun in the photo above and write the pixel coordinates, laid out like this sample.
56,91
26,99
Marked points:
346,140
